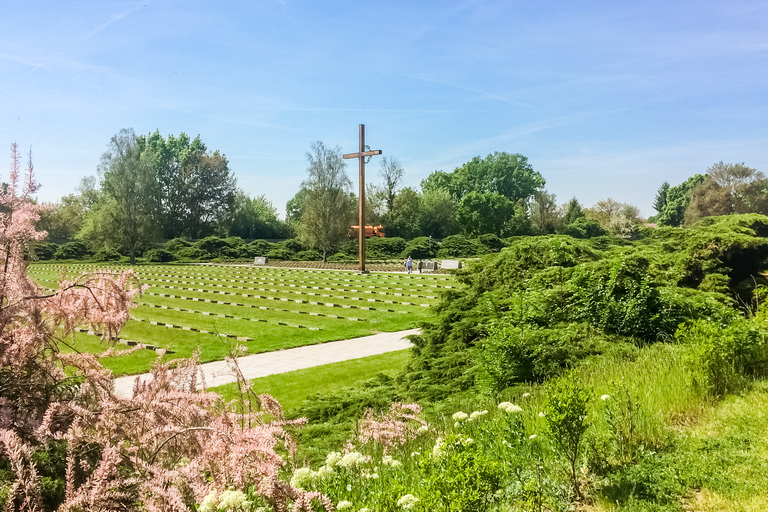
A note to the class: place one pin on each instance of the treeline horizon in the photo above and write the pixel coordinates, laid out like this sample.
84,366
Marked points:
151,188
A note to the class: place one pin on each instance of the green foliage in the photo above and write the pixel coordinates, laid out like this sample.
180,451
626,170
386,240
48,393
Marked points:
253,249
280,253
309,255
512,354
349,403
217,247
383,248
460,476
492,242
459,246
487,212
583,227
566,417
107,255
621,296
72,251
676,201
44,250
421,248
176,244
159,256
192,253
727,354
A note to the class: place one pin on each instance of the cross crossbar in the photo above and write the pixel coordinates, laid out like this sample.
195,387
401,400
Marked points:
363,154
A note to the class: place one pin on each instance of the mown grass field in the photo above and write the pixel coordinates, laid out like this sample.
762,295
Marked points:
211,307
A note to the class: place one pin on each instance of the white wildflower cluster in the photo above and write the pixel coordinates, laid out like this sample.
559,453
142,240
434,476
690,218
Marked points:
439,449
352,460
526,395
459,416
477,414
302,478
422,429
510,408
542,414
605,397
343,505
407,502
333,458
233,501
227,501
370,475
389,461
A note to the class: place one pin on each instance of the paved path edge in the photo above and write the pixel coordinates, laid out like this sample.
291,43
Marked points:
253,366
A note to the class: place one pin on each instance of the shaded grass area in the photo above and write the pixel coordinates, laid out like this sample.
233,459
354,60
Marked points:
292,388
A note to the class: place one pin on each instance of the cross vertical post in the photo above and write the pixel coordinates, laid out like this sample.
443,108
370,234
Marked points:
361,155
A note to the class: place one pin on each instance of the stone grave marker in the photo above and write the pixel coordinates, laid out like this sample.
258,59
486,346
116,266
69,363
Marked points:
450,264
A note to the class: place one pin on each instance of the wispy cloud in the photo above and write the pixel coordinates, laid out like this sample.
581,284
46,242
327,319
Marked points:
113,20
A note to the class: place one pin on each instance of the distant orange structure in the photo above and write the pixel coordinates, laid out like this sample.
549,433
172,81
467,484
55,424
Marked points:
370,231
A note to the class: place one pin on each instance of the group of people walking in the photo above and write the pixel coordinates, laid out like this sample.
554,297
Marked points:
408,264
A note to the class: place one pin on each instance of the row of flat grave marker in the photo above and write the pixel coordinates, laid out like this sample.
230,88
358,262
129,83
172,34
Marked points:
266,308
291,276
262,308
125,341
298,301
286,290
225,316
277,270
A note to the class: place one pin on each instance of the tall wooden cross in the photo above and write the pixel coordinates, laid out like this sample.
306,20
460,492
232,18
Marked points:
361,156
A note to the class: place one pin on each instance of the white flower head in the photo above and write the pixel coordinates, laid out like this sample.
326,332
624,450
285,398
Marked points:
344,504
605,397
526,395
459,416
542,414
233,500
510,408
333,458
532,437
302,478
407,502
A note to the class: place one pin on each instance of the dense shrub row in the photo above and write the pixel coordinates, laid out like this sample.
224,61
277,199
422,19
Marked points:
235,248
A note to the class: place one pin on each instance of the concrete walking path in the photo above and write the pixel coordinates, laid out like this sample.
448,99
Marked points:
253,366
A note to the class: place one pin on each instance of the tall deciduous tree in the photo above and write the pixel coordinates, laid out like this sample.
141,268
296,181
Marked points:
437,216
729,189
126,215
255,218
403,220
543,212
483,213
392,173
197,188
328,210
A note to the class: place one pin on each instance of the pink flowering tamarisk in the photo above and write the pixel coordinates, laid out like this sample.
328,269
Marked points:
163,449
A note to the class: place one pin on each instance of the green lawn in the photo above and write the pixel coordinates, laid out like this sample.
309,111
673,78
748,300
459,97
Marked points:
209,307
292,388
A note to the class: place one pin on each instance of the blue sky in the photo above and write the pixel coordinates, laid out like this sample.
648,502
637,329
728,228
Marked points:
605,98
